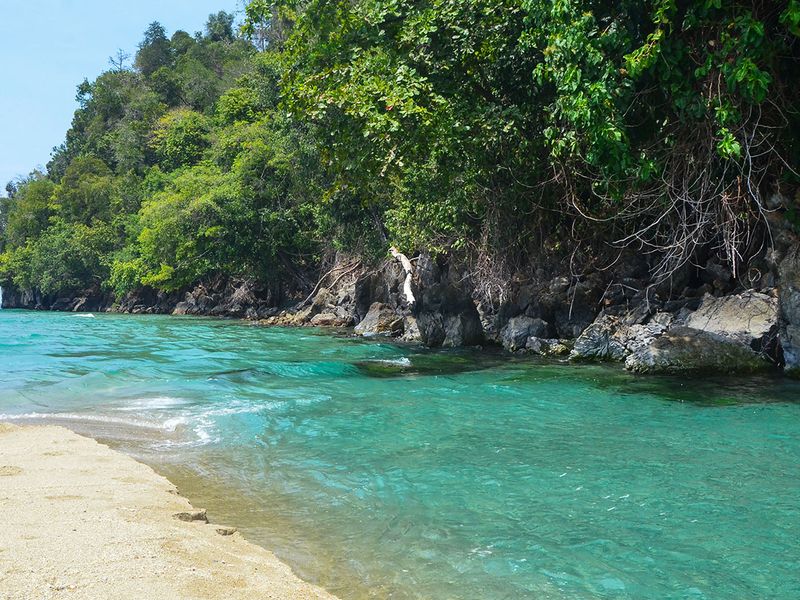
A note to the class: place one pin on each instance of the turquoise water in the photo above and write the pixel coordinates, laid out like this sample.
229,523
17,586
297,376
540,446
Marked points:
384,471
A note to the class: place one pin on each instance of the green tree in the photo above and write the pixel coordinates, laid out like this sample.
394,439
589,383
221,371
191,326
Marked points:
180,138
240,104
219,27
85,192
154,51
181,43
29,211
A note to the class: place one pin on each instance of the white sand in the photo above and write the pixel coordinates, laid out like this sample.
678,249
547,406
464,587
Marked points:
79,521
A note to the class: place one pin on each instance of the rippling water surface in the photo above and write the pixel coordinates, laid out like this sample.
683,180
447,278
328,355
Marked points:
383,471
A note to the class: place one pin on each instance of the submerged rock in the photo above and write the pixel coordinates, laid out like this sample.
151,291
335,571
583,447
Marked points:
385,367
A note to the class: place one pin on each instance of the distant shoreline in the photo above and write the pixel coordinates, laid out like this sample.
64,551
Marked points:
94,523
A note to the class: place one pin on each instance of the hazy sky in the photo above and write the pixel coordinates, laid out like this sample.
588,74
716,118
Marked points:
47,47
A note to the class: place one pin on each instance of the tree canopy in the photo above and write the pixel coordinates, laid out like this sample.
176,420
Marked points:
493,130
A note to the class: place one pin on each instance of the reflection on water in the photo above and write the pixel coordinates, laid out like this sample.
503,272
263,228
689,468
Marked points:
384,471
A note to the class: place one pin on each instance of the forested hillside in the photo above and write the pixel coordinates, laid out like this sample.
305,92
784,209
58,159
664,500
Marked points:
497,132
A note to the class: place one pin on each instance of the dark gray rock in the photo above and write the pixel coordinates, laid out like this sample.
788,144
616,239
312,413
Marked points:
614,337
789,302
445,312
450,330
548,347
382,285
567,305
321,302
264,312
14,298
463,329
601,340
724,335
489,317
515,334
182,308
63,304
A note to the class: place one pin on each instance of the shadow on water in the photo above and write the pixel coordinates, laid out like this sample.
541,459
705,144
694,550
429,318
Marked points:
419,361
705,390
716,390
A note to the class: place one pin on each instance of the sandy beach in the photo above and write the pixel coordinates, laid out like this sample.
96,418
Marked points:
81,521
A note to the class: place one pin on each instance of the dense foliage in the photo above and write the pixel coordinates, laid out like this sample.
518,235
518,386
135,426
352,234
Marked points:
494,129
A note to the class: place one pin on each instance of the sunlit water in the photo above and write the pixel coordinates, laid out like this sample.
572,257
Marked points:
383,471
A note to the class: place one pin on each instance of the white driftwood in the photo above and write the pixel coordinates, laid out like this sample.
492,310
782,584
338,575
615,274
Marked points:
409,294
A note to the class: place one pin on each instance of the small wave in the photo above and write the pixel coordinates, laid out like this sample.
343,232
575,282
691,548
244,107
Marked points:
241,409
193,427
84,316
79,418
203,432
158,402
403,361
385,367
204,425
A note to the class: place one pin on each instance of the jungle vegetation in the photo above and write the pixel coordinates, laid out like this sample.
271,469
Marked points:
497,131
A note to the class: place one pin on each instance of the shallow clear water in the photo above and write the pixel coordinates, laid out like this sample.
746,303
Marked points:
384,471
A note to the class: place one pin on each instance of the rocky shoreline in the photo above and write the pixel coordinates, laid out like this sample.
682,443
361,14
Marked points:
714,324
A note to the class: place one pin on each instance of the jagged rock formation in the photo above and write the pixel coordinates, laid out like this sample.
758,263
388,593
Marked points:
730,334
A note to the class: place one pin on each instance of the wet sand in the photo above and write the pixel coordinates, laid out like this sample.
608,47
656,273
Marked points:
81,521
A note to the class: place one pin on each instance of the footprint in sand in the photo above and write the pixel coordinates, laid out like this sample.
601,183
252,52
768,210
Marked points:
8,470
